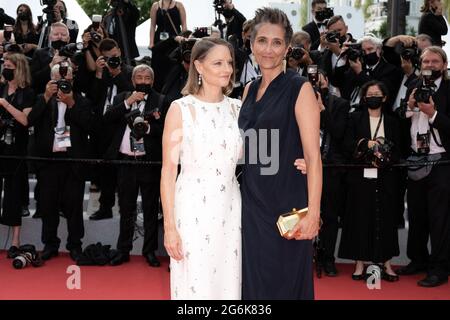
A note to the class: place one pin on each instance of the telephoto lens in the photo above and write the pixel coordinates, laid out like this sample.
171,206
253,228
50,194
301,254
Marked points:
22,260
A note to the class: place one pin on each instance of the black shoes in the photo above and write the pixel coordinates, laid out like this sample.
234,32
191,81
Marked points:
432,281
119,258
389,277
13,252
101,214
75,253
329,268
411,269
152,260
49,253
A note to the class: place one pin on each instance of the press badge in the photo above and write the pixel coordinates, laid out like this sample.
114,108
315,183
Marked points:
136,145
423,143
371,173
62,136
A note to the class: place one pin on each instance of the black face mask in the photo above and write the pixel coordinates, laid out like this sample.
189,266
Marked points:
24,16
58,44
228,13
145,88
8,74
371,59
373,102
436,74
247,45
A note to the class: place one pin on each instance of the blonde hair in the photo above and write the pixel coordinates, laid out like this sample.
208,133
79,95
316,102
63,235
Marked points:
199,53
22,73
59,25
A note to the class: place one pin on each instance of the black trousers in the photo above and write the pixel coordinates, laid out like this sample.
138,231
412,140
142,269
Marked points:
131,179
333,206
108,184
13,186
61,189
429,216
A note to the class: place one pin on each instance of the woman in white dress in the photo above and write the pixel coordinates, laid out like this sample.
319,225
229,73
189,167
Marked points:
202,207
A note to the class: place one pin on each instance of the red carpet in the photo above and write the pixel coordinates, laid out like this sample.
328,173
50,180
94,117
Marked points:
137,281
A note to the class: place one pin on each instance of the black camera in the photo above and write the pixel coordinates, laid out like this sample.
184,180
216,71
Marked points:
49,10
186,49
380,154
137,122
6,128
332,36
354,52
218,6
202,32
95,37
64,85
113,62
27,256
70,49
117,4
313,74
409,53
297,52
49,2
427,88
325,14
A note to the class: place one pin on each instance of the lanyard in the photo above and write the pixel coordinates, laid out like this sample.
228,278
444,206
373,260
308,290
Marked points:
378,127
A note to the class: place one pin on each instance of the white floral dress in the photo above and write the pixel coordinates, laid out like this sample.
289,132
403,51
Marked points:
208,202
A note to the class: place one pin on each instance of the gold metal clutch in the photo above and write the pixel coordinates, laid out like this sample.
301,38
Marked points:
288,220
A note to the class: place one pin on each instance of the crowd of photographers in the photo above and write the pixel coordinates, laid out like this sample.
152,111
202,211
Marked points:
382,102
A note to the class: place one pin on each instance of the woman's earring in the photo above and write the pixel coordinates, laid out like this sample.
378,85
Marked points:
199,80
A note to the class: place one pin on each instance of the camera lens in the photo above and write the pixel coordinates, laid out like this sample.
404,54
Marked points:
19,262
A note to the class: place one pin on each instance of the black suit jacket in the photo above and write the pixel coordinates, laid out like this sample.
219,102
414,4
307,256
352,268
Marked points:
333,120
152,141
40,69
442,103
387,73
44,116
314,33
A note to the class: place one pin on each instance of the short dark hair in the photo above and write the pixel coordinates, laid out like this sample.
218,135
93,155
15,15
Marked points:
273,16
373,83
316,2
108,44
335,19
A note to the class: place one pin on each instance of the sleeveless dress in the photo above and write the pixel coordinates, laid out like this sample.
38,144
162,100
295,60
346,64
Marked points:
163,23
208,202
272,266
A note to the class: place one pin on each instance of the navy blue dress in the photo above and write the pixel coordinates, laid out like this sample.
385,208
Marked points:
273,267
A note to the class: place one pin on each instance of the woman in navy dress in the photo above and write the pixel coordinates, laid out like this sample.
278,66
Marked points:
282,107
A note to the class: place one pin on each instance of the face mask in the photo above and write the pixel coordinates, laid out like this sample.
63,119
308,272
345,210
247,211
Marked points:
145,88
8,74
436,74
371,59
373,102
24,16
58,44
227,13
248,46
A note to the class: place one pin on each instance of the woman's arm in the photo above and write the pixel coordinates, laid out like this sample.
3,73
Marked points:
153,11
183,16
308,119
172,138
20,116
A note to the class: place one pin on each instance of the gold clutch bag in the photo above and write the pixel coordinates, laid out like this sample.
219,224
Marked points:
288,220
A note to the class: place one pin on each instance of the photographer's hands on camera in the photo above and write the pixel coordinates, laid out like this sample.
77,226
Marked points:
428,108
52,90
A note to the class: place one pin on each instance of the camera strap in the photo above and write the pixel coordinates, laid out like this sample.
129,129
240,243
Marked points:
378,127
166,12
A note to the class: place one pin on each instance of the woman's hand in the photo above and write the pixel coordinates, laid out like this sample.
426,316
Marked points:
305,229
172,243
300,164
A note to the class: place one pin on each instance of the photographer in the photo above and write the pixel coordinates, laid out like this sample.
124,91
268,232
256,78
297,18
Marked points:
178,75
333,40
428,190
16,100
333,122
318,26
25,31
137,138
44,59
168,20
111,78
432,21
299,55
234,21
369,230
366,64
92,37
62,121
123,13
61,16
5,19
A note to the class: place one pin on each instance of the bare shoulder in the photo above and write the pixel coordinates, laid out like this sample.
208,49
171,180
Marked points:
247,87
